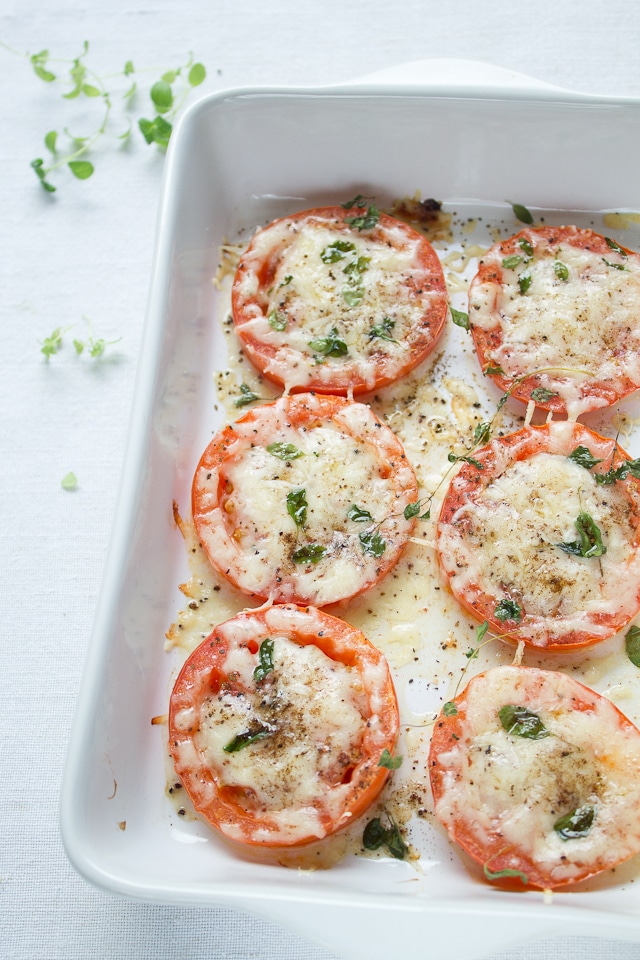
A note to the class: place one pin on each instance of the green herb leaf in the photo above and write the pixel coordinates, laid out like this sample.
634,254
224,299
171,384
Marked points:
81,169
353,297
69,481
561,270
336,251
197,74
265,656
376,836
365,222
310,553
492,371
508,610
452,458
616,246
388,761
521,213
128,68
632,645
460,318
330,346
412,510
246,396
358,201
50,141
612,475
450,709
41,173
277,320
242,740
284,451
157,130
359,514
576,824
510,263
52,343
162,96
521,722
481,631
383,330
526,246
541,394
583,457
372,543
524,282
297,506
616,266
482,432
590,542
507,872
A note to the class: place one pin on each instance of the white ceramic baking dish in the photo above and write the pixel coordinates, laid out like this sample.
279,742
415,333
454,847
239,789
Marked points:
454,130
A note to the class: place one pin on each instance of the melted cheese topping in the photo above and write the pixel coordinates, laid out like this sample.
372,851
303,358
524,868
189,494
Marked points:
496,783
369,287
587,324
506,540
252,531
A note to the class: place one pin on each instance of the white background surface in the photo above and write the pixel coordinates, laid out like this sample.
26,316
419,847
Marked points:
87,251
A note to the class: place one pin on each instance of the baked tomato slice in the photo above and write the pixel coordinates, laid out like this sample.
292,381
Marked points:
539,536
555,317
277,724
338,300
303,500
537,777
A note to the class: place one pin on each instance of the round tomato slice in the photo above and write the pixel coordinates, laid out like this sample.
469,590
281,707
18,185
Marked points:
303,500
555,317
338,300
537,777
277,724
539,536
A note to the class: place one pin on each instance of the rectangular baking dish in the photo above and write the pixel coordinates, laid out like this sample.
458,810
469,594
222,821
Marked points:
455,131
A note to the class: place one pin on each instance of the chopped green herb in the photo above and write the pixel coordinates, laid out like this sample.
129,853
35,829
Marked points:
481,631
508,610
376,836
576,824
335,251
452,458
353,297
590,542
521,213
492,371
503,874
583,457
389,761
526,246
277,320
297,506
482,432
521,722
460,318
542,394
69,481
510,263
52,343
242,740
311,553
524,282
359,514
330,346
616,246
358,201
450,709
632,645
284,451
383,330
246,396
372,543
561,270
265,656
366,221
616,266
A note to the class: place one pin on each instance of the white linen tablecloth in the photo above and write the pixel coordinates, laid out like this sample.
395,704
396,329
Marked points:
80,259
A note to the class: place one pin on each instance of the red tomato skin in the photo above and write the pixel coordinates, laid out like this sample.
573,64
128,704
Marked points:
204,673
345,380
524,444
486,341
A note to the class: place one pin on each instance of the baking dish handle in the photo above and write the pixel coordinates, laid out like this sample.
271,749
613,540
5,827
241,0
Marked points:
456,77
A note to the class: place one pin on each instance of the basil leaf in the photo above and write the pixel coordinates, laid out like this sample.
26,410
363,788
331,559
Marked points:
521,213
246,396
297,506
616,246
311,553
330,346
632,645
510,263
612,475
388,761
541,394
284,451
499,874
508,610
590,543
372,543
524,282
460,318
357,267
265,655
450,709
521,722
242,740
526,246
359,514
583,457
335,251
277,320
576,824
561,270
